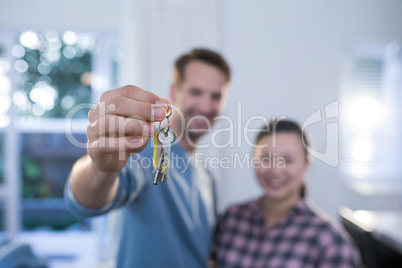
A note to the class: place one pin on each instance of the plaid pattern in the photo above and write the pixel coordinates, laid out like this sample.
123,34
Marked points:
303,239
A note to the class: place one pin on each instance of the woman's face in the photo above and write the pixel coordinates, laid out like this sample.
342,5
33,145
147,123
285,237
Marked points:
281,165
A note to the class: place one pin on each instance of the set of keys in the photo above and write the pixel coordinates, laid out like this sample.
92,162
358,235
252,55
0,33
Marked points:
161,155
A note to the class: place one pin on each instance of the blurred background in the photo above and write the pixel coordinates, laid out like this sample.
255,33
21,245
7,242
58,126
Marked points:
335,67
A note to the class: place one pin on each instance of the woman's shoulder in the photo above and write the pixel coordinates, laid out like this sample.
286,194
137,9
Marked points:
244,207
242,211
328,229
330,236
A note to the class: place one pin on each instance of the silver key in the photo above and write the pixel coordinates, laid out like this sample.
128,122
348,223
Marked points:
159,176
166,137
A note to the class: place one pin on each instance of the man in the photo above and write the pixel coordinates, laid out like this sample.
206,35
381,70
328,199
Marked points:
170,224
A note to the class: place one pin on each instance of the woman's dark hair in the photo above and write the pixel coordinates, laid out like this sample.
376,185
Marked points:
286,126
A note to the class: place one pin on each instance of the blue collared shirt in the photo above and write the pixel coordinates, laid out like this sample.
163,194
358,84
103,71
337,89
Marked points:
167,225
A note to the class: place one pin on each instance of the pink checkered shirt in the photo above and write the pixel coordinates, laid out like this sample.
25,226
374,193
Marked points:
302,239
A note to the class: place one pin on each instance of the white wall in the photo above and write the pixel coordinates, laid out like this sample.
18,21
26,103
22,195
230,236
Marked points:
88,15
156,32
287,59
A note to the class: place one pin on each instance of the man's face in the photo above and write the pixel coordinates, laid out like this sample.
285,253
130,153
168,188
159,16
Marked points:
201,97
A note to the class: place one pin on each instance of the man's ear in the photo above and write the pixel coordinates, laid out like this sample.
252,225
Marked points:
172,93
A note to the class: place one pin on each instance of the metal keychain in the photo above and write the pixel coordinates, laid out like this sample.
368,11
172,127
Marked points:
161,155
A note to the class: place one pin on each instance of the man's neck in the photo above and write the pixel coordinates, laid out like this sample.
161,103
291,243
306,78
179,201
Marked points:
188,145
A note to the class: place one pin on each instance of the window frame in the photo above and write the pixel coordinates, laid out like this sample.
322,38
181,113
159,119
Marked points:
102,80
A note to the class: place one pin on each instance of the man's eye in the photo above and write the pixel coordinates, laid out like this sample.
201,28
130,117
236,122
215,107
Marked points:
195,92
288,160
216,97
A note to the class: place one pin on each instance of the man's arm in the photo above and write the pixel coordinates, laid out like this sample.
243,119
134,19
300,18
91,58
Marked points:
120,125
91,187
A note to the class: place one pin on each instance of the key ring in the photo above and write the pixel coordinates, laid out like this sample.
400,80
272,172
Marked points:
162,142
168,114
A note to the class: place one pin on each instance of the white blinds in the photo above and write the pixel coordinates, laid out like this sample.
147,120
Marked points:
371,114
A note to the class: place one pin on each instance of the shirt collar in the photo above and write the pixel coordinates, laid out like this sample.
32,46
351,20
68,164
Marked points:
299,209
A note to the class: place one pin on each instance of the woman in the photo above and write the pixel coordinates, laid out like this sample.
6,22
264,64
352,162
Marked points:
280,229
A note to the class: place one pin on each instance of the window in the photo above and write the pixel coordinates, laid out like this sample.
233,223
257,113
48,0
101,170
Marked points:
371,101
53,72
4,105
43,77
5,88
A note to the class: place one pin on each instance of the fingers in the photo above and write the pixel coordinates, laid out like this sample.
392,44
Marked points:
122,122
122,106
167,101
130,101
131,92
107,145
114,126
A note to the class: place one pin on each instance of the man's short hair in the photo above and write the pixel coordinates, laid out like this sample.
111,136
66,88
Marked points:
208,56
